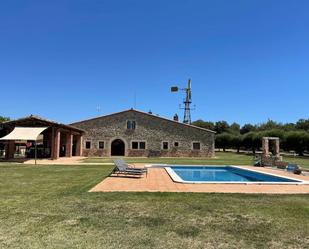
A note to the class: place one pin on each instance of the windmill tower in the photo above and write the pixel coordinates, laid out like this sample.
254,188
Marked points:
187,101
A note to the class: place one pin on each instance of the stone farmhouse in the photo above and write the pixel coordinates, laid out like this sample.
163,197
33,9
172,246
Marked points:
129,133
138,134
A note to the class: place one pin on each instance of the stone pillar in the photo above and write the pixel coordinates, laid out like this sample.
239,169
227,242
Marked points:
55,144
265,145
277,148
9,149
68,146
79,146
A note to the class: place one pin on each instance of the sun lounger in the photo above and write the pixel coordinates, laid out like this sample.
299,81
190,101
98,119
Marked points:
121,167
129,166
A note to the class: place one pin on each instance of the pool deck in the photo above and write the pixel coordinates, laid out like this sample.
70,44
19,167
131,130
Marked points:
158,180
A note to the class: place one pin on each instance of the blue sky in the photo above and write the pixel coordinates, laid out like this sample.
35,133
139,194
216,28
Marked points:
248,60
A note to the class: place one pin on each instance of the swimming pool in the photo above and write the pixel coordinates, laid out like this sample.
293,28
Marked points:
225,174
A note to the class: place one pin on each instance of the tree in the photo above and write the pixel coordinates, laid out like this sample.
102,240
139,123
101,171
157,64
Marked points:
297,141
252,140
269,125
302,124
221,126
273,133
247,128
236,141
235,128
204,124
289,127
223,140
3,119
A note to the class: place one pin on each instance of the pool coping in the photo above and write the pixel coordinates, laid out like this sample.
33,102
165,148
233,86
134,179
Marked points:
178,179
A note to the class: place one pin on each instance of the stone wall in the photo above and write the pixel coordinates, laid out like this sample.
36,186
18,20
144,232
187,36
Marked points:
149,128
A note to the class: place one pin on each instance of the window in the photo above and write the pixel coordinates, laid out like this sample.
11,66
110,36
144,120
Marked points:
165,145
138,145
176,144
101,144
88,144
142,145
135,145
196,146
131,125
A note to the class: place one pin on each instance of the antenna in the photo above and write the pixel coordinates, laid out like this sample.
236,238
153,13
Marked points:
134,100
187,102
99,110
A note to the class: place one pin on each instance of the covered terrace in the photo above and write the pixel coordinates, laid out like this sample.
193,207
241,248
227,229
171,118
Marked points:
57,140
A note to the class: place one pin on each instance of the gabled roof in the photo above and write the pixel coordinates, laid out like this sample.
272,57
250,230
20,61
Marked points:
43,120
148,114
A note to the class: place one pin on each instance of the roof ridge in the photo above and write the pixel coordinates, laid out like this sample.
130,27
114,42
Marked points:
145,113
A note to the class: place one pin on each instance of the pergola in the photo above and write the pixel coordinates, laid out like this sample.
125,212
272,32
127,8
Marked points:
265,145
58,140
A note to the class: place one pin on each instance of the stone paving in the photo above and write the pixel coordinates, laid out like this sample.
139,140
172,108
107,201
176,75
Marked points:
158,180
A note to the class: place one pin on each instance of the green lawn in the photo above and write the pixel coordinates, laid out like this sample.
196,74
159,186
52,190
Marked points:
222,158
302,161
49,207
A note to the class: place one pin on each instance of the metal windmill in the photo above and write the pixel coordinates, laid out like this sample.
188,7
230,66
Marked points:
187,101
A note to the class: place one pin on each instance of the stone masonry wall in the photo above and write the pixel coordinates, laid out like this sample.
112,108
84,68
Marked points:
149,128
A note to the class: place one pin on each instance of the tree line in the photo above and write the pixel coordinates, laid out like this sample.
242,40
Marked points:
293,136
3,119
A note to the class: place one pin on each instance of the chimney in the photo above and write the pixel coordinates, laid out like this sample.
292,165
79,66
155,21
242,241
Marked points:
176,117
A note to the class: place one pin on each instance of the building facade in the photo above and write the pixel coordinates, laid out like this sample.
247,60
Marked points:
137,134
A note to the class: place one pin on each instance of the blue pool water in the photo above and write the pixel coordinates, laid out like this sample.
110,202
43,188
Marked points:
224,174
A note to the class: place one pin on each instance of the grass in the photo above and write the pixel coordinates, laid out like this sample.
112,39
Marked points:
222,158
49,207
302,161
